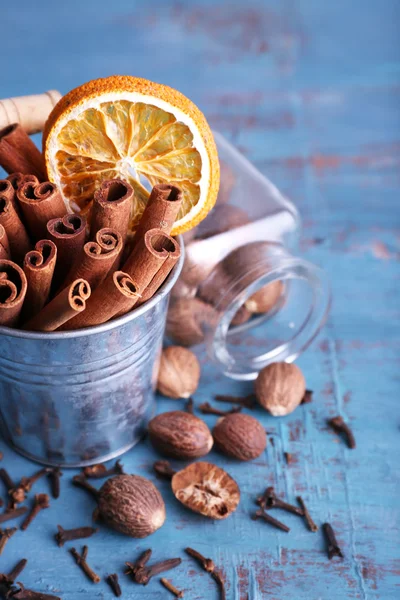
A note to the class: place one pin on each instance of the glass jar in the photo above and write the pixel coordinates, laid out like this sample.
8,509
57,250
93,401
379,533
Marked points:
247,244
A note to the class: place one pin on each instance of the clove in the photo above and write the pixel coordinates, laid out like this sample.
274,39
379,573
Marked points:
27,482
333,546
171,588
82,563
273,502
338,424
5,535
67,535
41,502
16,571
81,481
113,582
25,594
99,471
54,475
207,409
261,514
9,515
265,497
209,566
244,401
310,523
190,406
141,562
307,398
288,457
163,469
144,574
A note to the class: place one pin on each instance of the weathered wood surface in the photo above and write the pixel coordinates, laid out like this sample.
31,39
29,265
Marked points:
310,91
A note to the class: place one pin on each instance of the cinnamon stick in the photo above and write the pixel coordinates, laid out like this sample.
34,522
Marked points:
39,204
39,267
18,179
68,233
112,206
70,301
18,239
115,296
13,287
96,259
161,210
151,260
4,245
19,154
30,111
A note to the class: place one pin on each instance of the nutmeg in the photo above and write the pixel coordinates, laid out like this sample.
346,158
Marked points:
280,387
180,435
132,505
265,299
240,436
242,316
179,372
206,489
186,318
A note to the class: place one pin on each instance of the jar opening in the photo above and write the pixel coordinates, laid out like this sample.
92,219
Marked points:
281,333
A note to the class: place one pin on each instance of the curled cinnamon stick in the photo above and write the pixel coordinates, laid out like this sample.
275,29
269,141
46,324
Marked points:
18,239
68,234
18,179
115,296
4,245
112,207
30,111
39,204
151,260
96,259
39,267
161,210
13,287
19,154
70,301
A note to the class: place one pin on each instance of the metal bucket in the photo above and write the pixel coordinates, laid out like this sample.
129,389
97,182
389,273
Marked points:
80,397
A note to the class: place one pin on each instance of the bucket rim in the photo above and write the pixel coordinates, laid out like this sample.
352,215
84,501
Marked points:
109,325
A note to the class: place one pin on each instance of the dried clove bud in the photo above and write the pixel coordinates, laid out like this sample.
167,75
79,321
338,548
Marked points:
100,471
207,409
113,582
82,563
141,562
308,396
338,424
209,566
67,535
54,475
41,502
261,514
5,535
144,574
333,546
307,517
25,594
171,588
16,571
248,401
9,515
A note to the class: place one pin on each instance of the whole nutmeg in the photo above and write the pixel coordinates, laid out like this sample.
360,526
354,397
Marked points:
132,505
180,435
265,299
206,489
186,318
179,372
280,388
242,316
240,436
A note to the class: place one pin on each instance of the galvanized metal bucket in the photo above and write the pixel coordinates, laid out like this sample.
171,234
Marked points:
77,398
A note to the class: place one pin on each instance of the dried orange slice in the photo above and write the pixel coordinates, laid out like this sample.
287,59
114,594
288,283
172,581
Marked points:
137,130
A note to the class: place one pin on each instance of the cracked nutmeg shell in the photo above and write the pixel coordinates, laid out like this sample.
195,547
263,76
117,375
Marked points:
132,505
240,436
280,388
179,372
180,435
206,489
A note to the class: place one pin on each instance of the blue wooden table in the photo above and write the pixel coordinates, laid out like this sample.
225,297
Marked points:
310,91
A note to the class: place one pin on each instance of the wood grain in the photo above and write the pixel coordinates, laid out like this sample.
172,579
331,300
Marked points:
310,91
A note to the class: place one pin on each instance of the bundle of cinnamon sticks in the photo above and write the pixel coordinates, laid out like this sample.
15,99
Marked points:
60,272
